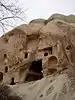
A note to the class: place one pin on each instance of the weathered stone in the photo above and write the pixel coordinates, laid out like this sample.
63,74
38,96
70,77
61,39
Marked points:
31,52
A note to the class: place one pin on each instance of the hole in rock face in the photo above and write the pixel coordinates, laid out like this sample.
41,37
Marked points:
36,66
6,69
12,81
49,49
35,71
5,55
68,47
46,54
26,55
1,76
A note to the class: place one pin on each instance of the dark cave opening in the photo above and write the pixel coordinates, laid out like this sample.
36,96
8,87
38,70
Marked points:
5,55
35,71
26,55
36,66
1,76
46,54
6,69
12,81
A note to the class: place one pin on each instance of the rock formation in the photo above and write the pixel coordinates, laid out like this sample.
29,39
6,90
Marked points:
42,50
57,87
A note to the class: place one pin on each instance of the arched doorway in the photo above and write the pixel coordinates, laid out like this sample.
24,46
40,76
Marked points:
35,71
52,60
52,65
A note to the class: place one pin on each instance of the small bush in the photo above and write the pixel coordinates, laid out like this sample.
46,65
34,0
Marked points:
7,94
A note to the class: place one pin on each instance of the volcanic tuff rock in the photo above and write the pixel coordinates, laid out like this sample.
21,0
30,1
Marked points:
58,87
41,50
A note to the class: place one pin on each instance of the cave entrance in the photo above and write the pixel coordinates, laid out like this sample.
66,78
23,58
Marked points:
35,71
12,81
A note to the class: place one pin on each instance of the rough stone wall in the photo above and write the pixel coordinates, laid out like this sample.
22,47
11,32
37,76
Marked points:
53,42
57,87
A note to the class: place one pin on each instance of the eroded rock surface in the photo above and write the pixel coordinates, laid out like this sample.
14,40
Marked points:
36,50
57,87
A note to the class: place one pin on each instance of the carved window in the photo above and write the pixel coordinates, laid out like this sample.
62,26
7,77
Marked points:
26,55
46,54
5,55
6,69
12,81
68,47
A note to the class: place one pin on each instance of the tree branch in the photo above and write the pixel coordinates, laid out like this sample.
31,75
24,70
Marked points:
10,13
11,18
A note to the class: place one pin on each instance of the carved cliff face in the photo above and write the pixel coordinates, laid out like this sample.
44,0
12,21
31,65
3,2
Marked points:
37,48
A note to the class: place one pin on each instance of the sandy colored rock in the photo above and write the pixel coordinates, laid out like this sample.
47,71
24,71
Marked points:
57,87
34,51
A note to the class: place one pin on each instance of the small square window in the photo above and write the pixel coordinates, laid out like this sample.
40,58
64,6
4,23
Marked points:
46,54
